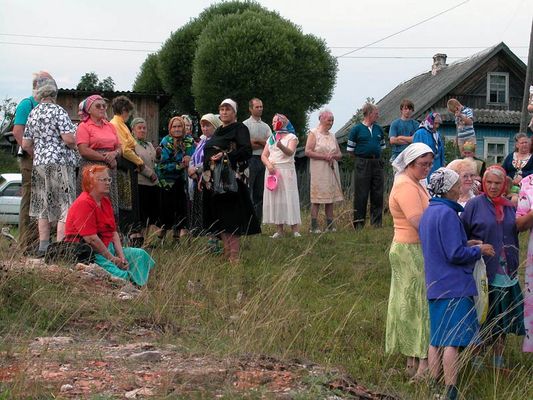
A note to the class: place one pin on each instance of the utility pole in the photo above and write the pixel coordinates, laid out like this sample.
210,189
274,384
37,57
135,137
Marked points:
524,120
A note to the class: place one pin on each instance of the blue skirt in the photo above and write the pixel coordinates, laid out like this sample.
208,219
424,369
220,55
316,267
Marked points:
453,322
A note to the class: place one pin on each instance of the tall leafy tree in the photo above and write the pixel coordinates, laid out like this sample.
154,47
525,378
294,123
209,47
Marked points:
147,79
176,57
259,54
266,56
91,82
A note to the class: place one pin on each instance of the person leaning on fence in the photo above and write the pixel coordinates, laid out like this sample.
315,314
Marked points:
449,261
90,219
407,329
324,154
365,143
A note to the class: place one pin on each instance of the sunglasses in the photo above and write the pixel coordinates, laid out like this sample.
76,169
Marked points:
101,106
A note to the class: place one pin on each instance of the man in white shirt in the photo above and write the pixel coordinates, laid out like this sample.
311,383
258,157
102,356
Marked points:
259,134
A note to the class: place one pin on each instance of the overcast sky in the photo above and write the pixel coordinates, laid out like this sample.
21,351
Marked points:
344,24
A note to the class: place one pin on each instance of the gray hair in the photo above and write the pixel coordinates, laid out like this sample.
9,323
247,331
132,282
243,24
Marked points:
45,88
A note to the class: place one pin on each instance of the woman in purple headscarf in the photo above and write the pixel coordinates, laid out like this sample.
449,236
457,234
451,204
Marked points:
98,142
208,123
428,133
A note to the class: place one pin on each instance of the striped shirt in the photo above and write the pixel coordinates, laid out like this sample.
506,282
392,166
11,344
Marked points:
465,131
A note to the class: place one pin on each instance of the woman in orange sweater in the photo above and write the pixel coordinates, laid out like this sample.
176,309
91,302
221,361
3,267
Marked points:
407,317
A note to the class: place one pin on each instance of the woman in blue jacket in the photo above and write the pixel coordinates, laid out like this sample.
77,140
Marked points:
428,133
449,264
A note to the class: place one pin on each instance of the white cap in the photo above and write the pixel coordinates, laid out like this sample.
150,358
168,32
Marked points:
230,103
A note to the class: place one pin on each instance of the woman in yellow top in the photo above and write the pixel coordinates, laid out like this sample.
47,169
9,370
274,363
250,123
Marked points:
407,317
129,164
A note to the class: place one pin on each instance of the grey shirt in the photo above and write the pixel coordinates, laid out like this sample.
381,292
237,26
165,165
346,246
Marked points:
258,130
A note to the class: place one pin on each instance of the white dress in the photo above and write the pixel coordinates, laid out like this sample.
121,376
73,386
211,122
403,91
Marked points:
282,205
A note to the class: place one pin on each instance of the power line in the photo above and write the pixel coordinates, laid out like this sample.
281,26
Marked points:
151,51
405,29
411,57
78,38
78,47
419,47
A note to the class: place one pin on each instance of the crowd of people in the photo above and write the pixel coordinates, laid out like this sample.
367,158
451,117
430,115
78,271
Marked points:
104,184
449,220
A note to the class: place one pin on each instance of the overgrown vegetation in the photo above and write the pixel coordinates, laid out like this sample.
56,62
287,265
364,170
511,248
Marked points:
321,298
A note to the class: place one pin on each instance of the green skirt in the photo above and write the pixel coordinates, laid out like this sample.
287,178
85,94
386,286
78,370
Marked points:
408,315
506,312
140,264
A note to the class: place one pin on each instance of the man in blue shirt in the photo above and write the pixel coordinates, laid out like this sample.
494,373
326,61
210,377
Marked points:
27,228
402,129
365,142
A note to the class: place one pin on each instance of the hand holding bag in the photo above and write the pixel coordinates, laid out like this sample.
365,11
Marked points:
224,177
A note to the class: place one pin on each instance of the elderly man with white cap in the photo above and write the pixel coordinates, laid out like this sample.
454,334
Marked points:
228,209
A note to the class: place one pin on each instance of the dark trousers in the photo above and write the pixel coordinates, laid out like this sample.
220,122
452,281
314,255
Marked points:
28,232
256,184
368,180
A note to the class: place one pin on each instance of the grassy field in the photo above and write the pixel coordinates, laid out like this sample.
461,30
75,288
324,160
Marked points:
321,298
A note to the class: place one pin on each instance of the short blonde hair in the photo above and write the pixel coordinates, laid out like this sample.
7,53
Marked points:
453,104
461,164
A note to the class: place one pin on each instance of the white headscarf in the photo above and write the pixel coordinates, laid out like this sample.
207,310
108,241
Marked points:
411,153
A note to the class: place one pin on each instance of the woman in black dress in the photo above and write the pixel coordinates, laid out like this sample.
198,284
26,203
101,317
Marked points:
229,214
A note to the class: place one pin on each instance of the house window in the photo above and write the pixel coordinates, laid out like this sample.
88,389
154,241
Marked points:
498,88
495,150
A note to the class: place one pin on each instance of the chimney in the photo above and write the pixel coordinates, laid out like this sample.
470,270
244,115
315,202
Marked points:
439,62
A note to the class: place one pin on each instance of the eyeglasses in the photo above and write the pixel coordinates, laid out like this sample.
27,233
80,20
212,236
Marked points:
106,180
424,164
101,106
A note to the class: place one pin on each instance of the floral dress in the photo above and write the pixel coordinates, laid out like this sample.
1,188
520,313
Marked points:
525,204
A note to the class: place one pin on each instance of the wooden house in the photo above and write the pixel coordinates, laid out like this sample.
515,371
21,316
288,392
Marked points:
147,106
490,82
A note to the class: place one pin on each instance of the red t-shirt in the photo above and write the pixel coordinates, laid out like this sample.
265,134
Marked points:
86,218
97,137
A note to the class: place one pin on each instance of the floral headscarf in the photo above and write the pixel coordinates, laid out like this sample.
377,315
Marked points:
280,125
429,122
85,105
441,181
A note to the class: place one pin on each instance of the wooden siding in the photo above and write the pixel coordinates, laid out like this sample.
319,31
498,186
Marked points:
472,91
145,107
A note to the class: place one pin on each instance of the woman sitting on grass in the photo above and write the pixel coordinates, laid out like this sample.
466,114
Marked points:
91,218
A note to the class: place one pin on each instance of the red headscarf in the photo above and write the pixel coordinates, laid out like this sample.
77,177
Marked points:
498,201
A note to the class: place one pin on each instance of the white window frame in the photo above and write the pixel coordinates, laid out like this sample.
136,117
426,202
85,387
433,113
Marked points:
504,74
494,140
